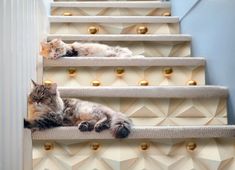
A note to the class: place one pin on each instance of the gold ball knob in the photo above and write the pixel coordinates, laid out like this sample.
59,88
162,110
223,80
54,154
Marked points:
191,146
144,146
167,71
166,14
95,83
93,30
47,82
72,72
142,30
48,146
192,83
143,83
120,71
95,146
67,14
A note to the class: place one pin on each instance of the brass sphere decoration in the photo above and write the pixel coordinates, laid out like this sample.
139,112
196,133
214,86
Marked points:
47,82
167,71
191,146
67,14
72,72
144,146
94,146
48,146
143,83
96,83
166,14
142,30
93,30
192,83
120,71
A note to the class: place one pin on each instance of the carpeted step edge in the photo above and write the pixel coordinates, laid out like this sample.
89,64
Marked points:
139,132
146,92
132,61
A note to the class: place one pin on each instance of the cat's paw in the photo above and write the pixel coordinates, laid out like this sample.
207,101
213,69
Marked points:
85,126
102,126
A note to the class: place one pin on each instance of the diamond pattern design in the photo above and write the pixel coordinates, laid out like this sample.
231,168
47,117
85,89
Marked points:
162,112
132,76
162,154
58,11
119,28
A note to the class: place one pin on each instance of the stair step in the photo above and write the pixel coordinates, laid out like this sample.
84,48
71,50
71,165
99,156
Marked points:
158,38
113,4
138,132
165,45
113,19
135,61
147,92
160,106
111,8
113,25
157,71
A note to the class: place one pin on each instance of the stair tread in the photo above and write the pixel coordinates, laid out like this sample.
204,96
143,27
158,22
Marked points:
114,19
125,37
132,61
114,4
146,92
140,132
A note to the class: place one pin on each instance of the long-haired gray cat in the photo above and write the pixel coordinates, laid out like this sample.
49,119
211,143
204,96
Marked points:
48,110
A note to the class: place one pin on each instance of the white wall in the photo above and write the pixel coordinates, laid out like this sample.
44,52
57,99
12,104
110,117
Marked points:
212,25
20,30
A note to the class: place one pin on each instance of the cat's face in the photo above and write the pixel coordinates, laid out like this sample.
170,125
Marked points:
44,97
53,49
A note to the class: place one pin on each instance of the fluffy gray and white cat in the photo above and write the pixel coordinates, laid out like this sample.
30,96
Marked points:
57,48
47,110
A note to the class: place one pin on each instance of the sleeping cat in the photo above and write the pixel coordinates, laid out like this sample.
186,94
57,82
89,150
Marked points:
57,48
47,110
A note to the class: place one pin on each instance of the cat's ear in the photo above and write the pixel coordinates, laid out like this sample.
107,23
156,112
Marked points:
44,44
53,88
34,83
57,41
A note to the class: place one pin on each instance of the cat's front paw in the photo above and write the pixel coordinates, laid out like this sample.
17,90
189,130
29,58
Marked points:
102,126
85,126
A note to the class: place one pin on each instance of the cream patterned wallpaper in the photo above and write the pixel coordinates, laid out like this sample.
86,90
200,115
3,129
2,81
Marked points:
161,154
114,28
162,112
110,11
124,76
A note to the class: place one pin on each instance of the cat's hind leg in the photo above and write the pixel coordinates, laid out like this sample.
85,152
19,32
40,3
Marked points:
85,126
102,124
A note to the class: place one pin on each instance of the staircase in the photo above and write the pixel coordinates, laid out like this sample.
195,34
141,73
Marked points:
180,123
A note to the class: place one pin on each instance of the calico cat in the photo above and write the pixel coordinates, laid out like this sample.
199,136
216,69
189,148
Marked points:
47,110
57,48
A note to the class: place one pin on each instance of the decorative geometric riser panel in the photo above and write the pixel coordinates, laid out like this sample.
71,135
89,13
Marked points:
127,76
152,49
82,11
164,112
160,154
114,28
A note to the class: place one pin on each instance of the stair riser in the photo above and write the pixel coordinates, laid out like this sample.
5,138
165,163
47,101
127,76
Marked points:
174,154
131,76
149,49
114,28
169,111
106,11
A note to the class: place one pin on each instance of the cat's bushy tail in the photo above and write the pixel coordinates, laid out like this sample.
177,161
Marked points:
120,125
45,121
